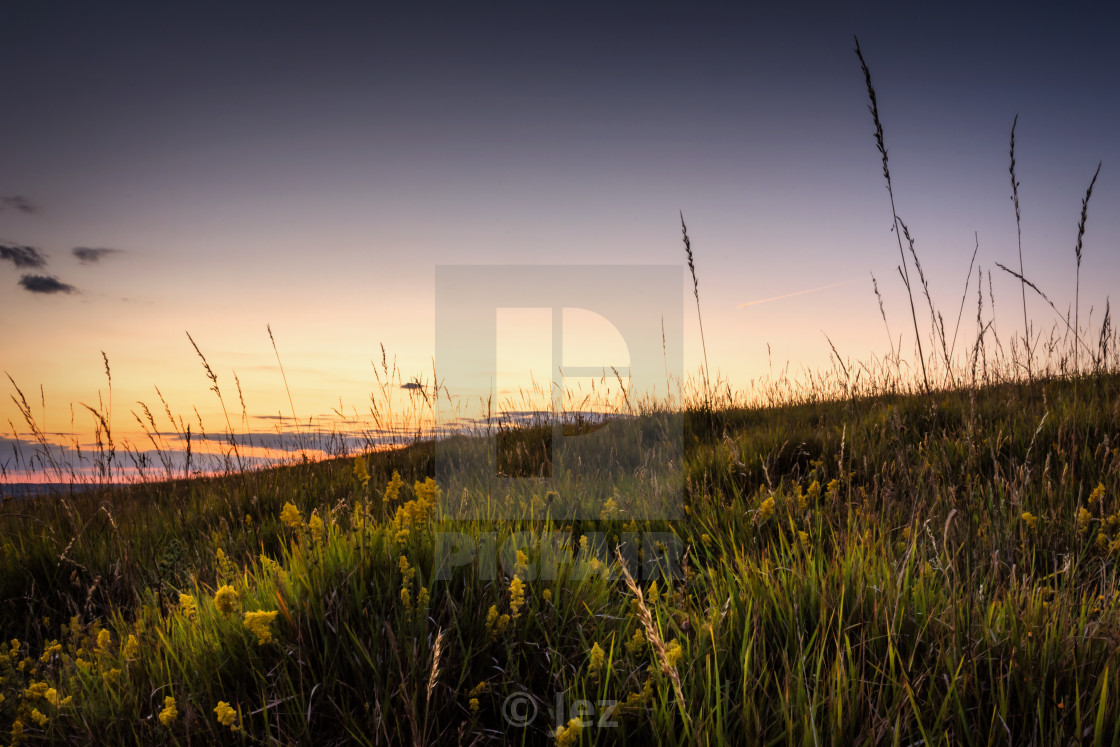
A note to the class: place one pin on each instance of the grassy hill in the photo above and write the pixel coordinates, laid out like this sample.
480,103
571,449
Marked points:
881,570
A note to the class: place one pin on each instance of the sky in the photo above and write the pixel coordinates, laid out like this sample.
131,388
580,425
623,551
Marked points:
226,171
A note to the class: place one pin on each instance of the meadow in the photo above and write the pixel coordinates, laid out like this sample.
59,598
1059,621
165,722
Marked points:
883,553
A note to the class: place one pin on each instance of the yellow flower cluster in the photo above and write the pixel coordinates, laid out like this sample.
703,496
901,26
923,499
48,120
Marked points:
566,736
638,699
637,642
393,489
496,623
290,515
595,662
673,653
131,647
516,597
473,695
169,713
227,600
227,716
317,527
1083,520
361,474
187,607
1030,520
415,512
766,509
258,623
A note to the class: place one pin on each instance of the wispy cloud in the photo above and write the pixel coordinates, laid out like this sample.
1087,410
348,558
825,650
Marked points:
22,256
88,255
18,202
791,295
45,284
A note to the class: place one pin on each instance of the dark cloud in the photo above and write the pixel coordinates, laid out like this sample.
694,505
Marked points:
45,284
88,255
22,256
18,202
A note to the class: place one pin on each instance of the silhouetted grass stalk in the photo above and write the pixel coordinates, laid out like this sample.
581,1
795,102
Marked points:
874,109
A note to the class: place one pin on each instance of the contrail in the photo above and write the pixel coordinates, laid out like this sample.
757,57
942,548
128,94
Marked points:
791,295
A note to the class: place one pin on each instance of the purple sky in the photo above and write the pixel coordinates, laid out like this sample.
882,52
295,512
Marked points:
309,169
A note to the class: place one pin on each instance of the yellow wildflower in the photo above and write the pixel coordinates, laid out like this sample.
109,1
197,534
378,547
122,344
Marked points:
35,691
474,704
169,713
361,474
1030,520
566,736
317,527
407,571
546,595
225,566
227,716
187,607
417,511
766,509
290,516
1097,494
393,489
637,642
635,700
1083,520
496,623
131,647
258,622
51,696
112,676
39,717
104,640
227,600
673,653
595,662
516,596
54,647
